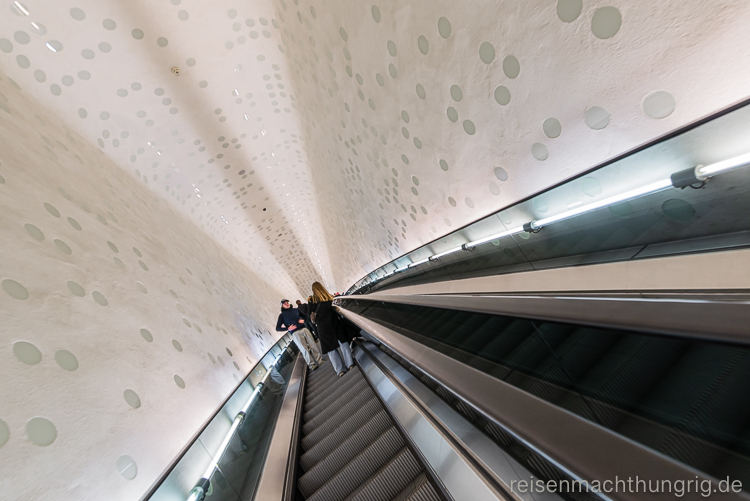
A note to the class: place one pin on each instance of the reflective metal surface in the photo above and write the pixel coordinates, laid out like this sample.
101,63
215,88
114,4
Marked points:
580,447
278,477
716,320
459,478
492,460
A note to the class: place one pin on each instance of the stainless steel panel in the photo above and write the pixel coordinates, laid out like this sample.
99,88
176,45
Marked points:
282,450
460,480
582,448
717,320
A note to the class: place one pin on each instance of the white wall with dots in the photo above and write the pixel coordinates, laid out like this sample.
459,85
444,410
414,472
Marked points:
310,141
124,326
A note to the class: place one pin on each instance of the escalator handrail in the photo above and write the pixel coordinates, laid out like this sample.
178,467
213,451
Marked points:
582,448
714,320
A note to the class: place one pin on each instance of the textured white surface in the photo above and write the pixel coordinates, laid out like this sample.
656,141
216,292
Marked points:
364,130
88,400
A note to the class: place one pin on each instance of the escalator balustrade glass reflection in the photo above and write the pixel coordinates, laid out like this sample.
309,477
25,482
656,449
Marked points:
686,398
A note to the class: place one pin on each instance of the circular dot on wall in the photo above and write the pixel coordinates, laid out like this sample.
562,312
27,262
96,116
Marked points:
659,104
66,360
569,10
126,467
27,353
486,52
596,118
132,398
4,433
502,95
552,128
41,431
444,27
606,22
15,289
539,151
511,66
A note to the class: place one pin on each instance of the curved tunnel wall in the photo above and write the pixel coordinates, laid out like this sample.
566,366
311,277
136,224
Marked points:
124,326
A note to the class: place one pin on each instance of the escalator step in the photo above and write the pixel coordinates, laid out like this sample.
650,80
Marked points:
420,489
349,422
390,480
345,452
372,428
321,401
317,434
324,413
360,468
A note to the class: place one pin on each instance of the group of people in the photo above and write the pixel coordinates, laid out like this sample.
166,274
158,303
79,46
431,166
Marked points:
319,315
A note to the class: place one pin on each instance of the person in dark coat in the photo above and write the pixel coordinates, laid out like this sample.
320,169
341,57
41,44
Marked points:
293,322
304,309
331,331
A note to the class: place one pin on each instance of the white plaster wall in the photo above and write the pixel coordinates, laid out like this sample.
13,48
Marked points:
192,292
696,51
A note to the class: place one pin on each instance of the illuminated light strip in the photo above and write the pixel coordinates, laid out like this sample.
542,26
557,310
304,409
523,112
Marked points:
705,171
422,261
449,251
494,237
699,173
628,195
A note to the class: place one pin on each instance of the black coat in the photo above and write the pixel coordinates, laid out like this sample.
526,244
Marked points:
331,329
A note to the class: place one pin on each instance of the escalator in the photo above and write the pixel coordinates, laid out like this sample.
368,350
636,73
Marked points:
451,404
351,448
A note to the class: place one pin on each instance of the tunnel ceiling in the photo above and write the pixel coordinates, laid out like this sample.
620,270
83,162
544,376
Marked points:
319,140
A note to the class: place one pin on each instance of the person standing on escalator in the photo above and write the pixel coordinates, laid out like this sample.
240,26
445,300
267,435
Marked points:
331,330
291,321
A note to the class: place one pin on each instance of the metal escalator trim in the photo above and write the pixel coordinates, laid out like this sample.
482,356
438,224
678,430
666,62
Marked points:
702,319
278,480
453,469
579,447
346,451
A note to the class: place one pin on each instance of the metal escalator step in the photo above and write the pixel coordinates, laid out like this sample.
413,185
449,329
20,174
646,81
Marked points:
343,452
312,407
318,378
390,480
372,425
311,398
334,405
412,488
426,492
360,468
349,418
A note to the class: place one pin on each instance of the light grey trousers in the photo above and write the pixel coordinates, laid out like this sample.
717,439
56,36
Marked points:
306,344
338,365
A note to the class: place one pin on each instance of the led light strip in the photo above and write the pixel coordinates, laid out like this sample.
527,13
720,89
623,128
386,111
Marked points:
682,179
198,493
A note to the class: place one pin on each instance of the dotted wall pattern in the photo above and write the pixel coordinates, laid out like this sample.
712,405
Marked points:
309,141
113,303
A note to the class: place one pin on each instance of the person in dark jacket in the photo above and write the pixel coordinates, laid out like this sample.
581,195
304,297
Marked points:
291,321
304,309
331,331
